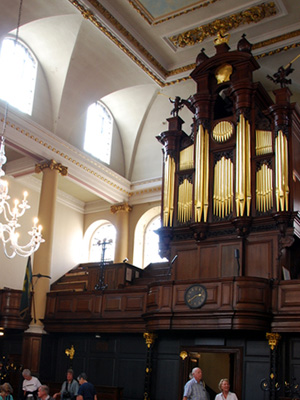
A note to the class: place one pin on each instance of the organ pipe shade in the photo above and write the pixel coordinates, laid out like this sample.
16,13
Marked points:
222,131
169,183
185,200
186,160
223,188
263,142
264,189
201,175
281,172
243,168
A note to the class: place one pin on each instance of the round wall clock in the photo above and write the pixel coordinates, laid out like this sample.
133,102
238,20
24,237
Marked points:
195,296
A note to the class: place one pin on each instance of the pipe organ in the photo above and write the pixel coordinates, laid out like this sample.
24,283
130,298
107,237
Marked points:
234,177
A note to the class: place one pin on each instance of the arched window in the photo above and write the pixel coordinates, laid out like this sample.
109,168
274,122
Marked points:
146,241
151,242
98,132
103,243
18,69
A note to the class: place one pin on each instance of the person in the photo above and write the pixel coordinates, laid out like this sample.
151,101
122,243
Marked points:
43,393
30,385
194,388
86,389
69,388
224,386
6,391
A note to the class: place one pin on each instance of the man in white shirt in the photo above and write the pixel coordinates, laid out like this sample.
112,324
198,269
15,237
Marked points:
30,385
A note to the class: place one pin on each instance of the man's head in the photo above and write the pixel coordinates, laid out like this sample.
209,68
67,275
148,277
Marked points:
43,392
197,374
27,374
70,374
82,378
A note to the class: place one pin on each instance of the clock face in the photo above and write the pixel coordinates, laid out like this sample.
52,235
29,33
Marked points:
195,296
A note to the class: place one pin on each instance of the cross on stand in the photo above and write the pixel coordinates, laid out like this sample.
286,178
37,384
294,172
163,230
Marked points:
104,243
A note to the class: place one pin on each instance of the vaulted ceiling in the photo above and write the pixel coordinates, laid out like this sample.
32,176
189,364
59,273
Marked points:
133,55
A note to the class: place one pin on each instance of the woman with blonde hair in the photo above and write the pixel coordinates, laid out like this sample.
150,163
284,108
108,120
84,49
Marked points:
224,386
6,391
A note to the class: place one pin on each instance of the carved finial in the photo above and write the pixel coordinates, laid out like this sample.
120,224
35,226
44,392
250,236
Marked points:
221,38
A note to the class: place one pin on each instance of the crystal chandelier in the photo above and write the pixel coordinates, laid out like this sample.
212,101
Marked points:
8,233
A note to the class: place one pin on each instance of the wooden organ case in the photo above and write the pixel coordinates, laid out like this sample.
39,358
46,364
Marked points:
231,191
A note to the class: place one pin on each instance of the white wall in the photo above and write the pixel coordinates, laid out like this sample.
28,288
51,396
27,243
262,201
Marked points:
67,243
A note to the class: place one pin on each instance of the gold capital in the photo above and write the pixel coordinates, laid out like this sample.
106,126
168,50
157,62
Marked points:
70,352
273,339
149,338
52,165
120,207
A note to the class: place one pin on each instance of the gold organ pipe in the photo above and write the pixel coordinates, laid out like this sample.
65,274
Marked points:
186,158
263,142
169,191
264,189
223,192
248,171
201,174
286,174
206,177
279,172
243,167
185,201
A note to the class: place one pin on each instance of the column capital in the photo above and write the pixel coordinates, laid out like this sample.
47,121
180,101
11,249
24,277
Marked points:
273,339
51,164
120,207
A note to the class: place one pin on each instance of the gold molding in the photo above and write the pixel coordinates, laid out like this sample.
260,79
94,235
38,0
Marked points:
149,338
276,39
90,16
197,35
120,207
53,165
273,339
152,21
277,51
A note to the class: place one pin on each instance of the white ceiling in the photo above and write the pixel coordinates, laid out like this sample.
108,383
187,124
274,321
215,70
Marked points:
122,52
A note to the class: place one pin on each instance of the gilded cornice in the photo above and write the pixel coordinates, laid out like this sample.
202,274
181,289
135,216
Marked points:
197,35
277,51
53,165
120,207
263,10
152,21
276,39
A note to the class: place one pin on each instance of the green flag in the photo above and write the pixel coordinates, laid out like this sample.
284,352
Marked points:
26,294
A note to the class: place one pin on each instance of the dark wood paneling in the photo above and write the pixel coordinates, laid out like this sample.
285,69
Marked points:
209,261
258,259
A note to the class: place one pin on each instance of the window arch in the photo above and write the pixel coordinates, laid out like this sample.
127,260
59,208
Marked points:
102,242
98,132
18,70
146,241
